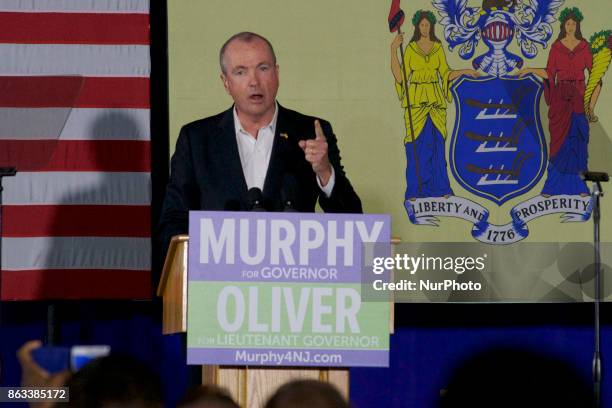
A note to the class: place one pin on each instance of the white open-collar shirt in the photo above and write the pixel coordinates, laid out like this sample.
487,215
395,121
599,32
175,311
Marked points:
255,154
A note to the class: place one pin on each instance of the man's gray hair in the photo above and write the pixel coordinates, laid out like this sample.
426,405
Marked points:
245,36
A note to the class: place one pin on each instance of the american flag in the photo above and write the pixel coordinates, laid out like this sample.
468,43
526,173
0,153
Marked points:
75,121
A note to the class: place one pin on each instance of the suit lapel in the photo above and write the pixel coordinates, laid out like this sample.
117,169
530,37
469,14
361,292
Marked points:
276,167
229,153
273,181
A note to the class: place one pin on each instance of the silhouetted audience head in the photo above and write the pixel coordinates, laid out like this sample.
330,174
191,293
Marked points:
115,381
307,394
208,396
509,377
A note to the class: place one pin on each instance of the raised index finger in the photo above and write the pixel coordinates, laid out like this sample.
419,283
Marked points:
319,131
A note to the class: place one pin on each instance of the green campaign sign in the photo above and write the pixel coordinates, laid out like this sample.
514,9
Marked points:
276,310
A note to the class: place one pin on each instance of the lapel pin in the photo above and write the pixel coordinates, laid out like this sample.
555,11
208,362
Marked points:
284,136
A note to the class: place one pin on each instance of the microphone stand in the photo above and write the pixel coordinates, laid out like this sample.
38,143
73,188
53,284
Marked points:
4,172
597,372
597,178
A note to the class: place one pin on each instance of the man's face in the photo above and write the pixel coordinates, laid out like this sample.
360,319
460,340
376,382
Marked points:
251,78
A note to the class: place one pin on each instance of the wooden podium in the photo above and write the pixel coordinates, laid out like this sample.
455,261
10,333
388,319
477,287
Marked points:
250,387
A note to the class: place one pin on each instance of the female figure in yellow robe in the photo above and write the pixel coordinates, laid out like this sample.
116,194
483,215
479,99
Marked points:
429,78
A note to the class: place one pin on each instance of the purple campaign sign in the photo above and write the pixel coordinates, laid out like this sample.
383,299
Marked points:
294,279
289,357
281,247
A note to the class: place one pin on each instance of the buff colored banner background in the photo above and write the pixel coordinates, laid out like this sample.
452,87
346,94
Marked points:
334,62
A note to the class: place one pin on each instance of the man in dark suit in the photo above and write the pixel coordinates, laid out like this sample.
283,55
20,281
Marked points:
255,144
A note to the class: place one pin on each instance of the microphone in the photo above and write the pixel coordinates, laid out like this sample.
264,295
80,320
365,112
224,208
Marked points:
7,171
289,193
595,176
255,200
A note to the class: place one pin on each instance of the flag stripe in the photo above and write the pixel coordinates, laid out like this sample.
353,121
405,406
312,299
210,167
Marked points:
95,92
76,253
42,284
98,6
87,188
77,59
82,124
74,28
74,119
76,220
76,155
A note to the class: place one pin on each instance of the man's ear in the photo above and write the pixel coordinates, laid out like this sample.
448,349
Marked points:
225,82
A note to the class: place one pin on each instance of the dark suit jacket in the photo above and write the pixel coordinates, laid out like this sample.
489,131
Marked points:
206,173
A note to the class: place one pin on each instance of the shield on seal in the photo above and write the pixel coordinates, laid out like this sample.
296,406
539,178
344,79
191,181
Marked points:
498,150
